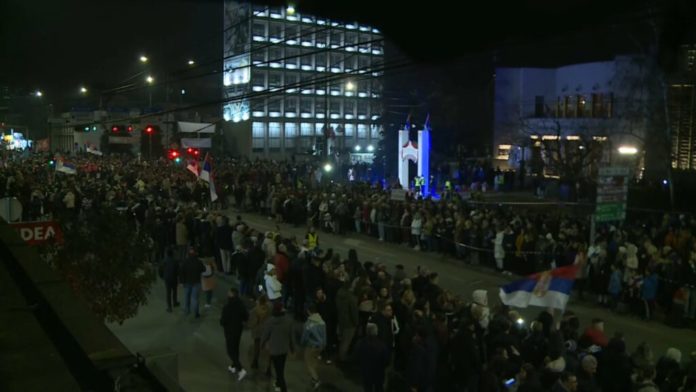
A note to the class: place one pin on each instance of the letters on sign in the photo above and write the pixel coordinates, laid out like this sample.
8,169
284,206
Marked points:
36,233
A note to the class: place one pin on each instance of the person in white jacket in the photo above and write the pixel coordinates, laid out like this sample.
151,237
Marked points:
498,250
273,286
416,226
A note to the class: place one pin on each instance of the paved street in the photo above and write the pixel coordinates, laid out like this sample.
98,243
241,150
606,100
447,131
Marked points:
199,344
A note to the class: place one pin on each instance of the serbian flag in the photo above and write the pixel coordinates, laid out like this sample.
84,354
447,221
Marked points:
193,167
65,167
206,173
549,289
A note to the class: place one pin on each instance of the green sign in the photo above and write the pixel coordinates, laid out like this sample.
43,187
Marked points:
609,212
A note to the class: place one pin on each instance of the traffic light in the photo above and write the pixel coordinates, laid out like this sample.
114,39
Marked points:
194,152
130,128
174,155
116,128
149,129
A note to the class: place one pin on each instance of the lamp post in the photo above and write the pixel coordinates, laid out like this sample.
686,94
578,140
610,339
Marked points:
150,80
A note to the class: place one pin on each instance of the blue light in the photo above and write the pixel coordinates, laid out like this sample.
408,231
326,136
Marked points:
665,182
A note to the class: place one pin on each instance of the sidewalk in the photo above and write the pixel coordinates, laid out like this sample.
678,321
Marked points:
199,348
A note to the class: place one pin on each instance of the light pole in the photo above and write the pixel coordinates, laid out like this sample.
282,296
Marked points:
150,80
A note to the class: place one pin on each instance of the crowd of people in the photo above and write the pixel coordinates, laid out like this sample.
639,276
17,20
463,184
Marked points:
394,323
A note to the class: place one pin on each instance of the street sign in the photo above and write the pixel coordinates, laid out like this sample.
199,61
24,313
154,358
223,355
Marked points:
612,189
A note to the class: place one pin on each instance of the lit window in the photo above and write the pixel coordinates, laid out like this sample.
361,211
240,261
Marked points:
362,131
306,129
349,129
274,129
258,130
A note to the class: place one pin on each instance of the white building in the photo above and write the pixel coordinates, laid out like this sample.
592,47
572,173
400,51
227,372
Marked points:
288,77
579,104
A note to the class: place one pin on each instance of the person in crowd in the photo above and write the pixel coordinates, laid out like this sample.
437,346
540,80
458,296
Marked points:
191,272
170,275
314,341
278,337
234,315
257,320
347,310
208,281
273,285
373,358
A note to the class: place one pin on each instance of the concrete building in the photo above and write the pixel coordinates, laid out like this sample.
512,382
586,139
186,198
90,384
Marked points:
572,107
294,82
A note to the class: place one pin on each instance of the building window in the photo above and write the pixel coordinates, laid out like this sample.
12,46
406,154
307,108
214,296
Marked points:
306,129
362,131
258,134
349,107
258,56
504,151
362,108
539,106
273,105
306,61
350,63
275,32
374,131
319,129
307,36
320,59
336,39
377,48
337,62
275,80
290,134
350,130
292,33
290,106
260,10
335,107
306,106
319,107
351,42
274,135
258,80
580,102
258,29
320,39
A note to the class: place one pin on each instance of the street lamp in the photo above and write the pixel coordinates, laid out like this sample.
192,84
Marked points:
350,86
328,167
83,90
143,59
357,148
628,150
191,62
370,148
290,10
149,79
38,93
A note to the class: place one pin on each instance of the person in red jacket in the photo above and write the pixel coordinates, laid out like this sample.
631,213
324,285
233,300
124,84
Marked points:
282,263
596,333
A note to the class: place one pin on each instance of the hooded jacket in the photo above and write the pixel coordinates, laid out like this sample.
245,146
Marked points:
314,333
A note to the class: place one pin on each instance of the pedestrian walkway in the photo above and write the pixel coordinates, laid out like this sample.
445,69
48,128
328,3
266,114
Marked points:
199,348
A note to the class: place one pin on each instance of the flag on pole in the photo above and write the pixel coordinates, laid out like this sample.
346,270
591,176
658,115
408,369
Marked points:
426,126
206,173
211,186
547,289
193,167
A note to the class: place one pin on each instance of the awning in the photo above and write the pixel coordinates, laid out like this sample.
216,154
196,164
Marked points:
192,127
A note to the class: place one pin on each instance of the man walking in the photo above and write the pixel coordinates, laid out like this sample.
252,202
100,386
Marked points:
347,309
234,315
313,340
170,275
191,272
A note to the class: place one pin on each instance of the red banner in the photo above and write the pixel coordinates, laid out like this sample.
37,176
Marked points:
36,233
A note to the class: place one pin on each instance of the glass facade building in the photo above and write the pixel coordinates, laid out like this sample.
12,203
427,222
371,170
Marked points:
290,80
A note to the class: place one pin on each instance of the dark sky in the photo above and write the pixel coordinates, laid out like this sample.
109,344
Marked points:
59,45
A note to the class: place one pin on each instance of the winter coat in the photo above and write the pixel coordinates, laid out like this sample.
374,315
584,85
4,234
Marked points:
191,271
277,335
257,319
170,269
273,287
649,288
314,333
615,283
282,265
347,308
234,315
373,358
223,237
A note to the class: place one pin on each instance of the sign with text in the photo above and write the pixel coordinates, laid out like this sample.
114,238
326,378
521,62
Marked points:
612,189
37,233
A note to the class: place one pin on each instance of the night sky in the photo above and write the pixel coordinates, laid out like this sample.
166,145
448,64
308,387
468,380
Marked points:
59,45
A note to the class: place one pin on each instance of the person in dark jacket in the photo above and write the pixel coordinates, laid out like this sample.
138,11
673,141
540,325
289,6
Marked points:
223,239
279,340
234,315
373,358
170,275
191,271
384,320
417,375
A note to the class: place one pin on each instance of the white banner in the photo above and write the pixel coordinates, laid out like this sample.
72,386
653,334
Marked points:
205,142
